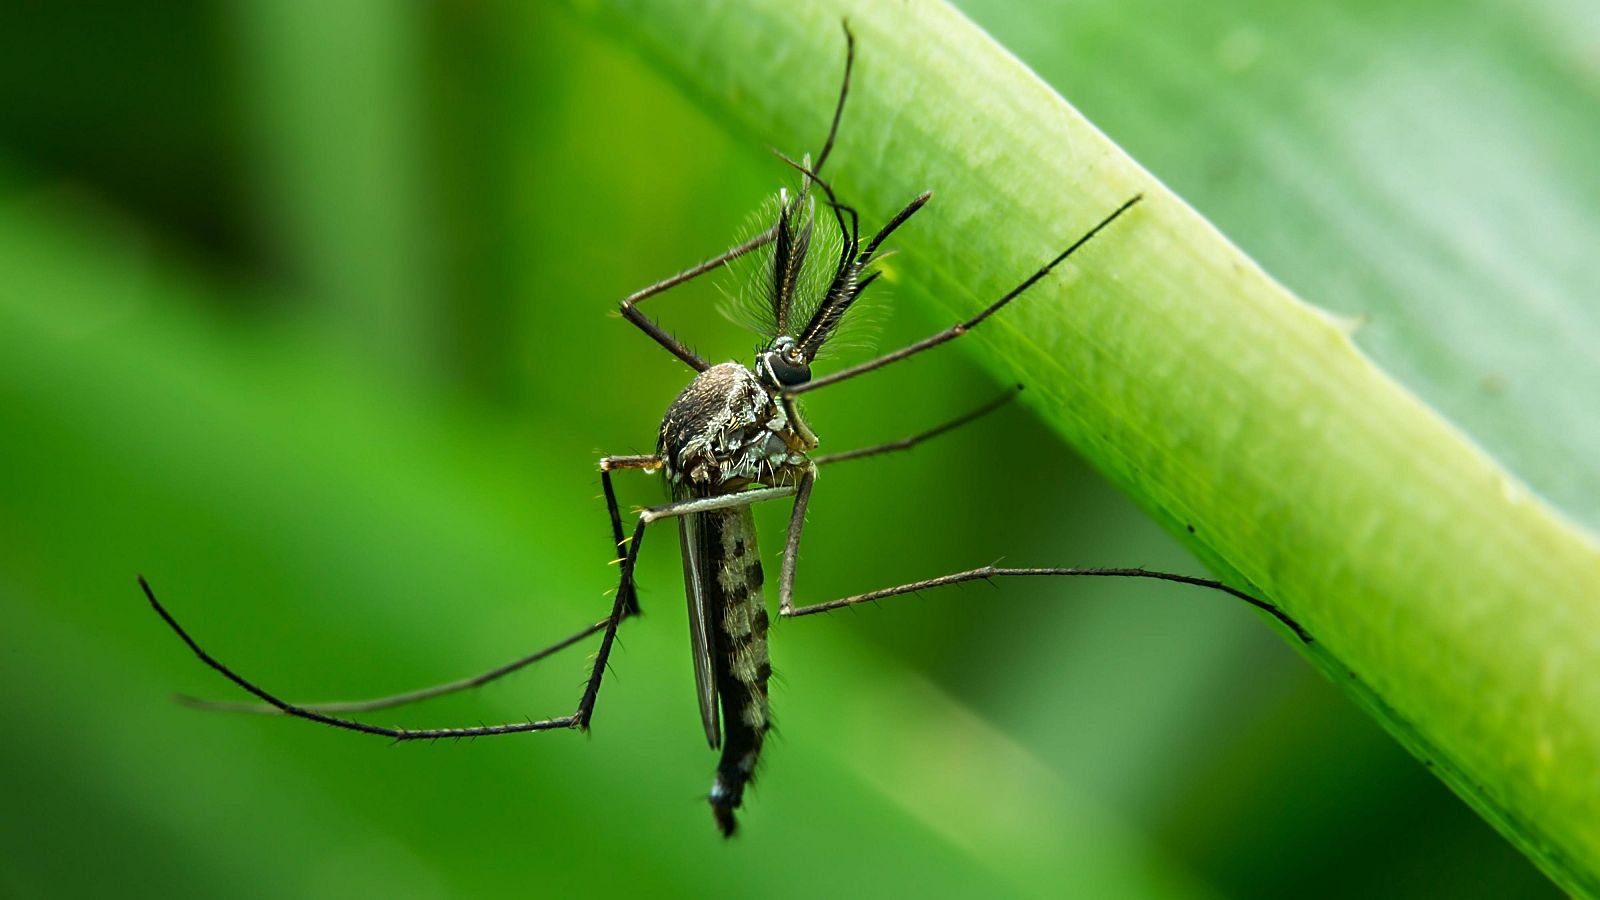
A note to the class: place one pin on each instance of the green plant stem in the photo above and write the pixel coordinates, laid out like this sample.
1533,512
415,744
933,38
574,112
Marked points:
1454,605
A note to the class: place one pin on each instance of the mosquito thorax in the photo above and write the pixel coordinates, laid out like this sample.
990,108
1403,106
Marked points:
727,430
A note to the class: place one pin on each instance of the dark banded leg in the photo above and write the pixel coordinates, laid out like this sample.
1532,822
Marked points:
630,608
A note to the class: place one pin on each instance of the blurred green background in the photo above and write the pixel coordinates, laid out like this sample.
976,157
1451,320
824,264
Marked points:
307,317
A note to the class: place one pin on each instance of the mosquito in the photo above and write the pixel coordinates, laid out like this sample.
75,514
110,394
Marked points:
733,438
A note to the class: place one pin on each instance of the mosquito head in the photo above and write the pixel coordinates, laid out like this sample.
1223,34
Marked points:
783,366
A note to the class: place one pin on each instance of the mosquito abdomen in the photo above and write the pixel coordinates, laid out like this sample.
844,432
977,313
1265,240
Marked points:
743,667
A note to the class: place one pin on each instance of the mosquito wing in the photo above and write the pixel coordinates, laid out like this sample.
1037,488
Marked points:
699,582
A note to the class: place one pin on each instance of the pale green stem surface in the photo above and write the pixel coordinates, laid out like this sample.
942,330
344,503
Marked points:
1457,607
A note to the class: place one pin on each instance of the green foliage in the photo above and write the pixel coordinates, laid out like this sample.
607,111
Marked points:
305,319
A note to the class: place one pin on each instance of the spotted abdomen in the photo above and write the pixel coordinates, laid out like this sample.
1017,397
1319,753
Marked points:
740,663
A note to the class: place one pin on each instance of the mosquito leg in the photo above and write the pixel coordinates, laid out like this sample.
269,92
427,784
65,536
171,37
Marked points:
630,305
609,464
907,443
709,504
957,330
643,461
394,700
578,719
630,608
844,91
791,544
608,628
791,548
988,572
802,498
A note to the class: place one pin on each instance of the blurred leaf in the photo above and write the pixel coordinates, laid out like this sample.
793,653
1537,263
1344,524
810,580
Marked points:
339,153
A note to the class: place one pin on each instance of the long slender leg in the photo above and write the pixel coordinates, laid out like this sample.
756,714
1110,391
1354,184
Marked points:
791,552
988,572
957,330
607,466
844,91
630,608
402,699
906,443
791,543
708,504
802,499
630,304
578,719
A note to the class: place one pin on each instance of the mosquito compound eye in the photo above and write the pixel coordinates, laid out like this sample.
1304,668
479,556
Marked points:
787,369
